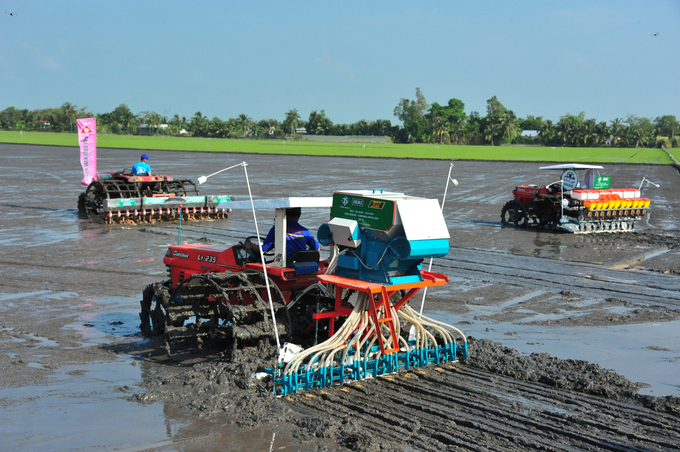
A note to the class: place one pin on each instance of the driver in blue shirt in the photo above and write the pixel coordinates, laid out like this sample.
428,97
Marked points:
298,237
142,168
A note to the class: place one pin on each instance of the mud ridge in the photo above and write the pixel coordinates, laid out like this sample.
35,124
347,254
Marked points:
497,400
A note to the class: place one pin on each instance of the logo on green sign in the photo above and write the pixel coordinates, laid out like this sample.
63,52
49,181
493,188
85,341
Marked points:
601,182
569,180
367,212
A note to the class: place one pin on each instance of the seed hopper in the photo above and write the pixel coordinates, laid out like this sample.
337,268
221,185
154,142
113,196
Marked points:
380,241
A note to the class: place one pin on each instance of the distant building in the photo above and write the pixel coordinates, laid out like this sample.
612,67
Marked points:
530,133
43,123
301,131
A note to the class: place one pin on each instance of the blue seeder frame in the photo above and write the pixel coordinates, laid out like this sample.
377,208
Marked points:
308,377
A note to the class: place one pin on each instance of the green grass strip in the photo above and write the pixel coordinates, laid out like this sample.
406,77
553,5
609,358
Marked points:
416,151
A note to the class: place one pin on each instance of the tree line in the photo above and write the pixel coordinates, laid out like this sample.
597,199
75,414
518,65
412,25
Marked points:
425,123
422,123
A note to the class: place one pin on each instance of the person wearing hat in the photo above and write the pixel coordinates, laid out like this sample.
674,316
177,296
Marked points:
142,168
298,237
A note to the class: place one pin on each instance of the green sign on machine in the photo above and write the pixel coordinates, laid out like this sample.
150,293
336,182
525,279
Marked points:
368,212
601,182
220,198
149,201
125,202
194,199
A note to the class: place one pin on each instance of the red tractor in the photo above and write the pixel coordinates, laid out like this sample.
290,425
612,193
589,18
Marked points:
223,291
218,294
574,206
227,297
533,205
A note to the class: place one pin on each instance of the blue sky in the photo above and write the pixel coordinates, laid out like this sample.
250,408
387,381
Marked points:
353,59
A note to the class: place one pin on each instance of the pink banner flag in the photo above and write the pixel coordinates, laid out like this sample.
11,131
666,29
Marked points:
87,138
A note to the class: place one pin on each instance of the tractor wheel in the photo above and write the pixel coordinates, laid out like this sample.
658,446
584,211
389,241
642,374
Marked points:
92,201
155,299
220,311
81,204
514,212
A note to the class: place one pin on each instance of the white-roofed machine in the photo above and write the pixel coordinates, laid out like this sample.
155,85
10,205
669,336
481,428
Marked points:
571,205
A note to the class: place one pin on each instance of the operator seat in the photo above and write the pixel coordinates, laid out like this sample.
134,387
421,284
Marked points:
304,262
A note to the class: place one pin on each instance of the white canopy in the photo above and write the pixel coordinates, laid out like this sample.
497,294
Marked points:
280,221
571,166
280,203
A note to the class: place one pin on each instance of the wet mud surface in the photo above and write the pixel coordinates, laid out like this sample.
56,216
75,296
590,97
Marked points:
574,338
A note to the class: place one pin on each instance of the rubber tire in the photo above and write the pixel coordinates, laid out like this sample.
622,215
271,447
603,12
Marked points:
514,212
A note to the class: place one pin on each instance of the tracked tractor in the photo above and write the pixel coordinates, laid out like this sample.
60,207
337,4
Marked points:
575,205
345,318
122,197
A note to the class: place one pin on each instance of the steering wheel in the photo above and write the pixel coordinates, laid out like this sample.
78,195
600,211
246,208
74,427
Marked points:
255,243
554,187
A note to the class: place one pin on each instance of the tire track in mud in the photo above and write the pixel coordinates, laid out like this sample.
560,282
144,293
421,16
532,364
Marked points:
454,407
640,287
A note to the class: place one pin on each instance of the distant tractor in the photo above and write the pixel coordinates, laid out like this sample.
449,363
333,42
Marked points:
122,197
568,206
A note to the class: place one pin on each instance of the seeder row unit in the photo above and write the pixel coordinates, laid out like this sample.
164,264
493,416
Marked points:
371,343
381,240
167,208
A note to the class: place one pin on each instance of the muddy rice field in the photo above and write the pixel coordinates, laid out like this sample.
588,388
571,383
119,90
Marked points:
574,339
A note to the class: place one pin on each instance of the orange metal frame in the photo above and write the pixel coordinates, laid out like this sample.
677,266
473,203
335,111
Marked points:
385,293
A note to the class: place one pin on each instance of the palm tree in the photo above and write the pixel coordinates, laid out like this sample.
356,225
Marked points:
292,120
509,126
601,132
130,123
153,121
627,135
244,122
324,125
312,122
216,127
440,127
257,131
70,111
360,127
589,131
199,125
615,130
491,132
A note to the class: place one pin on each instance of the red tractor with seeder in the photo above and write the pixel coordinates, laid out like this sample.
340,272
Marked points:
571,206
228,297
122,197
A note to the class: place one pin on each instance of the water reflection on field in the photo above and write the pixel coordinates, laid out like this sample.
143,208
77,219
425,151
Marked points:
74,286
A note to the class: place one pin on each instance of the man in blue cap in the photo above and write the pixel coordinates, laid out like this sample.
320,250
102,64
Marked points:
142,168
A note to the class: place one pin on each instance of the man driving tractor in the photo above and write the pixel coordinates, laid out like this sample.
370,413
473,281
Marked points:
298,237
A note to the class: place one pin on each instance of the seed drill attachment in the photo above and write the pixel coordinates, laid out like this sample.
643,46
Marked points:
380,241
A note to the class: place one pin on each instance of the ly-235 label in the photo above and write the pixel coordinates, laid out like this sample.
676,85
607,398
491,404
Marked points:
208,259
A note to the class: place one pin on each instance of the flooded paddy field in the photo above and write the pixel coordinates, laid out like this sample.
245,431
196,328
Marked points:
585,328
